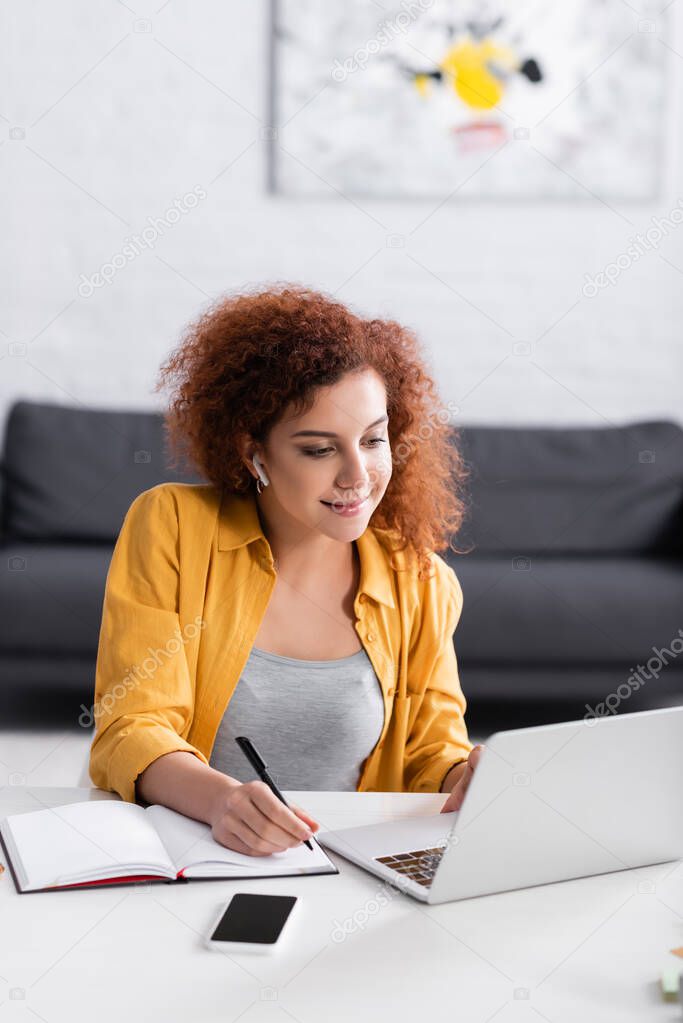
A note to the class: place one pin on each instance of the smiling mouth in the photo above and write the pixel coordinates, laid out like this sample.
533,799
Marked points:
349,504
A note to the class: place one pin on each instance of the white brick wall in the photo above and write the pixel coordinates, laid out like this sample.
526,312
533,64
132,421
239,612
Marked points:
118,123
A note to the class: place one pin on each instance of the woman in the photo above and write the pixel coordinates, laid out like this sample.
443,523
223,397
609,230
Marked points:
295,597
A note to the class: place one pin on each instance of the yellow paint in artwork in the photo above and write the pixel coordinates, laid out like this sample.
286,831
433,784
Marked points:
422,84
469,67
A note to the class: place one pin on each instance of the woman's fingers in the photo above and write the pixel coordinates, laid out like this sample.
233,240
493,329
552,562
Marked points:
251,815
475,756
306,818
265,828
273,808
278,816
457,796
253,841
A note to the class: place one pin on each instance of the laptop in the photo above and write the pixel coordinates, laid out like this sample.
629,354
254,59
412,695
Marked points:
547,803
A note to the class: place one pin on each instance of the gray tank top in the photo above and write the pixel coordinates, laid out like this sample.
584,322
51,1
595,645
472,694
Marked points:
313,722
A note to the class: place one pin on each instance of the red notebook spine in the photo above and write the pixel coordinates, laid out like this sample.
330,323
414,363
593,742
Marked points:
111,880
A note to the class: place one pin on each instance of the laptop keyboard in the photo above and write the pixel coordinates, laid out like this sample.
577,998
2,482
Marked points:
418,864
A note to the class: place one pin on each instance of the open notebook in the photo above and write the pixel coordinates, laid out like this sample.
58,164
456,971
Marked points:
102,842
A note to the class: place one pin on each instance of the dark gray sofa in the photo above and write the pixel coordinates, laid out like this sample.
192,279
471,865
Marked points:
575,572
68,478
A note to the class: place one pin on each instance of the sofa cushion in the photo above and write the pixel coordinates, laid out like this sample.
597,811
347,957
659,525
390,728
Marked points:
574,490
51,597
72,474
568,611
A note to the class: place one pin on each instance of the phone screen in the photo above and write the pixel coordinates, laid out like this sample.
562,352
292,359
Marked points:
254,918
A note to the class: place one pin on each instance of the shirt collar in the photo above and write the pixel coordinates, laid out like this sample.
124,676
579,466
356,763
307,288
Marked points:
239,524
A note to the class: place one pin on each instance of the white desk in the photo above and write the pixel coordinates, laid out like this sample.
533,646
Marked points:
589,949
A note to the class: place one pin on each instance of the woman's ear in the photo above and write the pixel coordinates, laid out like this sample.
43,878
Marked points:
258,465
247,448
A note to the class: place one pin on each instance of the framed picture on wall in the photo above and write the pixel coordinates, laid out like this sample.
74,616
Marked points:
422,98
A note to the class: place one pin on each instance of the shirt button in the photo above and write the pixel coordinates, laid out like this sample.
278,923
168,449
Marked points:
390,692
371,637
361,598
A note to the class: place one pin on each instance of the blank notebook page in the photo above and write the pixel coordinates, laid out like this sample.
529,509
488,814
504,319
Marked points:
94,838
190,842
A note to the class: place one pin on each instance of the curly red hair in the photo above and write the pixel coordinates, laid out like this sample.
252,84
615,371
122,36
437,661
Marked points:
252,354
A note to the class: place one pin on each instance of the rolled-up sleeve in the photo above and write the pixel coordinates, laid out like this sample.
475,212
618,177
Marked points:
438,736
144,695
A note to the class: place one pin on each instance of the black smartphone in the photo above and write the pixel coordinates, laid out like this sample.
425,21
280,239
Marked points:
251,922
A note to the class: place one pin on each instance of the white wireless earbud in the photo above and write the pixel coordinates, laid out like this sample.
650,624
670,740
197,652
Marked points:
259,469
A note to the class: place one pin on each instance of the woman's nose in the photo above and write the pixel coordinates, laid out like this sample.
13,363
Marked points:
356,475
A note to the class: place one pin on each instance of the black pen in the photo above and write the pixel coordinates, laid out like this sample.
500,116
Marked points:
259,765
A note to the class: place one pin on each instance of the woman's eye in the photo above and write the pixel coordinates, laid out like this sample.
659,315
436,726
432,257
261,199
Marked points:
316,453
319,452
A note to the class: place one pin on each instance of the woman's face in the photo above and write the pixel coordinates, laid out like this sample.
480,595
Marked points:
335,455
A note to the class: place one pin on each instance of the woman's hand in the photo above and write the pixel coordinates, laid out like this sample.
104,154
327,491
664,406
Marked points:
249,818
455,800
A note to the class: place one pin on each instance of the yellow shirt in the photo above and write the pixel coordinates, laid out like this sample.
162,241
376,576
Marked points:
187,588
